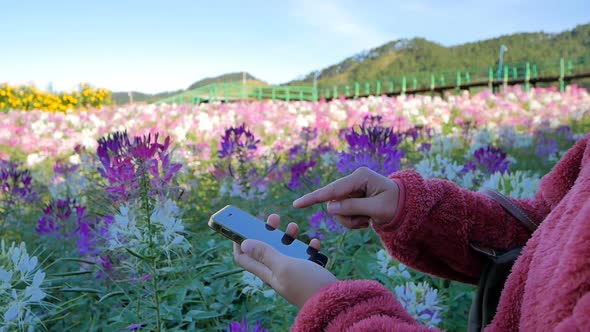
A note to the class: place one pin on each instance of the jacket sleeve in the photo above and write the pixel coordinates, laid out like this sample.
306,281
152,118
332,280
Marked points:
356,305
579,319
436,220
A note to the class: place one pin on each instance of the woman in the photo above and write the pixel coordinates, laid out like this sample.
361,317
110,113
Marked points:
429,225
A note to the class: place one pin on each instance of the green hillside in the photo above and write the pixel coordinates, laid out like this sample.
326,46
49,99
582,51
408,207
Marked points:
408,56
225,78
123,97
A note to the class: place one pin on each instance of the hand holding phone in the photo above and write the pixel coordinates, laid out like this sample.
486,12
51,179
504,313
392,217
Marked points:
238,225
296,280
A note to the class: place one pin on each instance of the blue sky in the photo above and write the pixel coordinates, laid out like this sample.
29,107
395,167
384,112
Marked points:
154,46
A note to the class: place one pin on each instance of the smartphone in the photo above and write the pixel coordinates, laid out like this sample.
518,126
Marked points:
238,225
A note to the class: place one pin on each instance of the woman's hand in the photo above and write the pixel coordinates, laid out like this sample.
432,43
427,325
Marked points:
294,279
358,199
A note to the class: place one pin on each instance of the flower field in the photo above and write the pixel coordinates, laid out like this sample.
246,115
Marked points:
103,213
26,97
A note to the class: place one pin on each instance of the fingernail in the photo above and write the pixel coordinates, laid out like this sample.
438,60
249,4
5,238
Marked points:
247,246
334,206
296,201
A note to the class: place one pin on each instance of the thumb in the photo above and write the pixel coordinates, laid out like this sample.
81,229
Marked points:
261,253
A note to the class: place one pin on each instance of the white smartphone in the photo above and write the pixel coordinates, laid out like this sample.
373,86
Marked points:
238,225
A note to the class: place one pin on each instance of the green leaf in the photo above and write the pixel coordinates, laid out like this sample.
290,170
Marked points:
227,273
202,315
79,260
142,257
69,274
202,266
109,295
81,290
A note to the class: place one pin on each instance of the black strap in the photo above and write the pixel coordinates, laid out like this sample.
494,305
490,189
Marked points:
514,210
511,208
496,268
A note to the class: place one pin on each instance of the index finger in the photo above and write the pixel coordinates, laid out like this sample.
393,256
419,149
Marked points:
336,190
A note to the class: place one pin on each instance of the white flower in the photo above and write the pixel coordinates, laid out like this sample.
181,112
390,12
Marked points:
389,268
517,184
253,285
421,301
173,229
21,282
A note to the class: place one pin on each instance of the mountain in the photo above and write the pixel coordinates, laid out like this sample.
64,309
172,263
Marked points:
225,78
123,97
409,56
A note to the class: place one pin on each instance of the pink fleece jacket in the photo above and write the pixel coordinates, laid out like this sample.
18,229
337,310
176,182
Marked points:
548,289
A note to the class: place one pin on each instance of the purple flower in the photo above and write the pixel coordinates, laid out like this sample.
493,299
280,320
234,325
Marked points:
424,147
373,146
124,160
63,168
298,171
86,239
469,167
237,141
322,217
546,146
106,265
146,277
135,327
56,216
491,159
15,185
308,133
243,326
296,152
64,219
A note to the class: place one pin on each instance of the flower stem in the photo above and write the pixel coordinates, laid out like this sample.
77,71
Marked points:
147,207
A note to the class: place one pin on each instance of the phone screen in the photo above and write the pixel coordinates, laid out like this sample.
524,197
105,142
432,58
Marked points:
238,225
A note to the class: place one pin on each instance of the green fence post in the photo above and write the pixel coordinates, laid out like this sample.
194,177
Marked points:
288,98
527,77
367,88
561,75
347,90
505,77
467,78
491,78
404,85
442,79
414,84
378,88
432,82
458,80
357,89
535,72
314,95
391,87
335,94
514,72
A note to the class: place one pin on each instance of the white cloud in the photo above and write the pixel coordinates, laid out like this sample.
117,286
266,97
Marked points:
333,17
